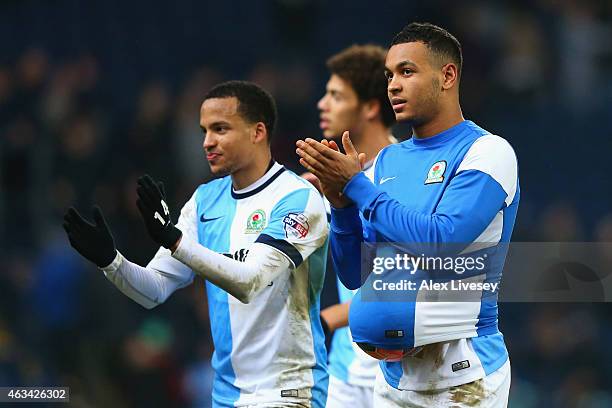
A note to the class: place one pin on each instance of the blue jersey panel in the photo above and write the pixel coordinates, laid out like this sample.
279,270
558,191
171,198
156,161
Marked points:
491,350
317,263
215,210
342,353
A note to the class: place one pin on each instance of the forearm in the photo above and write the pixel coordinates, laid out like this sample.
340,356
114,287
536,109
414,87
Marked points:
146,286
243,280
467,207
336,316
346,237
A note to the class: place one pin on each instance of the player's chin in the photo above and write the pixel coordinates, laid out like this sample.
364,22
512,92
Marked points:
329,134
218,169
404,116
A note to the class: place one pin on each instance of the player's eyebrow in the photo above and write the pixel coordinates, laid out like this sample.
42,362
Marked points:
402,64
219,123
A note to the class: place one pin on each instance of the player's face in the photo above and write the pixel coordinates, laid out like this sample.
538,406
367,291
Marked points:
227,136
413,82
339,108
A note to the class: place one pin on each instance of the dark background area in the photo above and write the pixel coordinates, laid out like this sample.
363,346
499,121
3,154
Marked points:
94,94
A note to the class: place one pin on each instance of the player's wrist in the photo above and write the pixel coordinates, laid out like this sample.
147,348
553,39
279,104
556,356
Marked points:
175,246
170,237
114,264
106,259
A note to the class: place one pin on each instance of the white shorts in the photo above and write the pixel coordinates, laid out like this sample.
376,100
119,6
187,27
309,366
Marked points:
343,395
489,392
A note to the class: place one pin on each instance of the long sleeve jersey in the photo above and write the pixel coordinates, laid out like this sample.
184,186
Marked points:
460,186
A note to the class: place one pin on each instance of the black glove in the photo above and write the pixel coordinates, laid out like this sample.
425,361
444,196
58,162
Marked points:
155,213
93,241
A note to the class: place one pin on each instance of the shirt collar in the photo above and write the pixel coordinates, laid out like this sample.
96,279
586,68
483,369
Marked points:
274,170
441,137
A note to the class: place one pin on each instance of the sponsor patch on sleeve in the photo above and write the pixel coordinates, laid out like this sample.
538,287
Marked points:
296,225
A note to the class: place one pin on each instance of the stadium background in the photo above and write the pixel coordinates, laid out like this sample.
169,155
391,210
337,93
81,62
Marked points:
94,94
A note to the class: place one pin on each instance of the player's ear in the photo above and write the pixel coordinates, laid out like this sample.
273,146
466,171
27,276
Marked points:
450,75
260,133
371,109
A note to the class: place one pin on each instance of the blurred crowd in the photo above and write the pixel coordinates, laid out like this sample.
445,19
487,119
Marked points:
75,130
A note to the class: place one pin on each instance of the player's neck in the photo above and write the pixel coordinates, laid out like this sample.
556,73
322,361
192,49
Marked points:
446,119
251,173
373,139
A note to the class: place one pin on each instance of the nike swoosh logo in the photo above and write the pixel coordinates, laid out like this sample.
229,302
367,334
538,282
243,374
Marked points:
209,219
385,179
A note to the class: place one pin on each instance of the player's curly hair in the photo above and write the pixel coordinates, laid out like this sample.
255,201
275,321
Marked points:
443,44
255,104
363,66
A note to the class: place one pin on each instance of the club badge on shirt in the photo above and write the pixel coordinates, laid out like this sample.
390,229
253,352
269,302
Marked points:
296,225
256,222
436,172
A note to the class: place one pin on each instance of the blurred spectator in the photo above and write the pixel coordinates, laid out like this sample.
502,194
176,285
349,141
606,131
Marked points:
521,70
148,364
560,223
56,295
188,140
31,73
17,156
584,41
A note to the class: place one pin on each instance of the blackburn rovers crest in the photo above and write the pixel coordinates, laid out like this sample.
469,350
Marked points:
436,172
256,222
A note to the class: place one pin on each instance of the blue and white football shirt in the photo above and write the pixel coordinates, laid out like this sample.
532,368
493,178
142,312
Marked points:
271,350
460,186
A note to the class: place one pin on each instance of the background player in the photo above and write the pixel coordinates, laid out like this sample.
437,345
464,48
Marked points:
355,99
453,182
272,227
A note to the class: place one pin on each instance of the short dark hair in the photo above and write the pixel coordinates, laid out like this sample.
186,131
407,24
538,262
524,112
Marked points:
255,104
442,43
363,66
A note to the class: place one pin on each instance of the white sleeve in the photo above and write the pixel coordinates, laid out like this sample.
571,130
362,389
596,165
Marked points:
163,275
243,280
146,286
494,156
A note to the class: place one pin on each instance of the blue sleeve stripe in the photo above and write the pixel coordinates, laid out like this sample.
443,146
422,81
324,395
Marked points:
294,202
283,246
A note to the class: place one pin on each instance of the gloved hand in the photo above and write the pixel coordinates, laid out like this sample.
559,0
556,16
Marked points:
155,213
92,241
